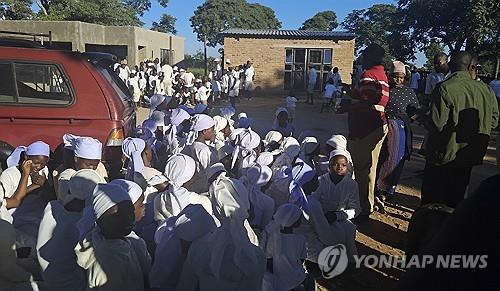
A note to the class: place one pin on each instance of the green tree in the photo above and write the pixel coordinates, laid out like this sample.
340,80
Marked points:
326,21
430,51
142,6
455,23
15,9
214,16
381,24
106,12
166,24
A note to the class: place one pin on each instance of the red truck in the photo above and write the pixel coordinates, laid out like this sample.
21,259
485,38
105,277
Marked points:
45,93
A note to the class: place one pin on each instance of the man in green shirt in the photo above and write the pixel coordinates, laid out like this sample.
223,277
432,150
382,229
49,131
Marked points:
463,113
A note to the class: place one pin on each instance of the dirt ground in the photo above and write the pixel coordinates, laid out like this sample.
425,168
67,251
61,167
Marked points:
383,234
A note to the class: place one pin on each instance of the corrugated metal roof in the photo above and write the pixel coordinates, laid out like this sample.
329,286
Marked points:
294,34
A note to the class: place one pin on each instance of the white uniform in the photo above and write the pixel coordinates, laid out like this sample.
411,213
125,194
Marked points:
342,198
202,94
291,273
204,156
249,76
228,258
27,217
188,78
134,83
171,203
234,84
57,238
110,264
124,74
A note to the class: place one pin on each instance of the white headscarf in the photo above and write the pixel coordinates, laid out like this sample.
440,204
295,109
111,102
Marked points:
38,148
176,118
158,117
69,141
192,223
81,185
337,141
265,159
230,204
199,122
257,177
106,196
308,146
133,189
150,125
88,148
179,169
283,266
278,111
220,123
339,152
245,144
132,149
156,100
290,149
273,136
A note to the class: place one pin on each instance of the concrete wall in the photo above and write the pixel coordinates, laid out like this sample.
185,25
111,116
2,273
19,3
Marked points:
81,33
268,57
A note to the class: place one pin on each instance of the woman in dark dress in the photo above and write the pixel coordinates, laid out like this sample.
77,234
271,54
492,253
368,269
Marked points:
397,143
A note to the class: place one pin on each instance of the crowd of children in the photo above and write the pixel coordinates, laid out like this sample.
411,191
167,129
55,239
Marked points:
205,203
151,78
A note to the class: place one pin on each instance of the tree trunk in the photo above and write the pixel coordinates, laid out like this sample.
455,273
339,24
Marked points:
205,54
497,66
42,8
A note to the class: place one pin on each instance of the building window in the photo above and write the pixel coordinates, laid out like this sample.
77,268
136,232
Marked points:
300,56
166,56
327,56
289,56
298,62
41,84
315,56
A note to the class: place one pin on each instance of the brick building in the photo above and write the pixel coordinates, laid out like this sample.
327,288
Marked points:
281,58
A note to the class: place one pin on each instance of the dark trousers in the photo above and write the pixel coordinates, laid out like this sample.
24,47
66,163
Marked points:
445,184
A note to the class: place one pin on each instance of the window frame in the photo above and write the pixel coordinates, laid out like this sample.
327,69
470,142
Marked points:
321,51
14,78
64,75
331,57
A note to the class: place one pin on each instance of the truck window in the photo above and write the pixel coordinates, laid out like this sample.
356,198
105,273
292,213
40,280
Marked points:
41,84
7,89
117,84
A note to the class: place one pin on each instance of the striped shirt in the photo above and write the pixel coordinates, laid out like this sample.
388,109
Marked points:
374,88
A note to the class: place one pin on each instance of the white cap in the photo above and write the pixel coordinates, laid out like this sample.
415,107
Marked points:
228,61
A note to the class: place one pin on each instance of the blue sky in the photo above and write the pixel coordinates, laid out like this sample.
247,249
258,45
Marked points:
292,13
